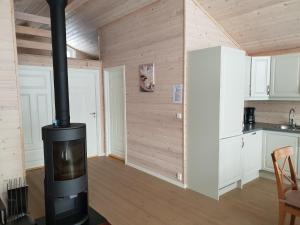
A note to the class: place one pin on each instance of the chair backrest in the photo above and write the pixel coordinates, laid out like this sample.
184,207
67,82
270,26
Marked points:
284,170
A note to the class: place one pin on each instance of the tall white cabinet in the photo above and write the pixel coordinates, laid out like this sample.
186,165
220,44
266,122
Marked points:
215,98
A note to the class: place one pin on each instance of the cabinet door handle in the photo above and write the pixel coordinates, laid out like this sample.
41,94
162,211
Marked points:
254,133
268,89
243,143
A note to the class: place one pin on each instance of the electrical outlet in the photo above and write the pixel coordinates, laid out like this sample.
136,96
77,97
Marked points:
179,116
179,176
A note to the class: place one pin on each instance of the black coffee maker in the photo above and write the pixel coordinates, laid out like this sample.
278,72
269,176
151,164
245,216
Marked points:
249,115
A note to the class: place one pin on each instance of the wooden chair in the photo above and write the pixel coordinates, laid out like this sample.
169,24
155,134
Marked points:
288,193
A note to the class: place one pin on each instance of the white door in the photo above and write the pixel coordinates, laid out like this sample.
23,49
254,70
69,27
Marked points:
36,85
36,103
285,79
83,105
275,140
115,111
232,92
230,161
260,77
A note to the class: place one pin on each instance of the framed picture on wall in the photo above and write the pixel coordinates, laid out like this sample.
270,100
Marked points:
146,77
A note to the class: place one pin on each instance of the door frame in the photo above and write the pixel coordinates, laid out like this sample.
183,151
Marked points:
107,111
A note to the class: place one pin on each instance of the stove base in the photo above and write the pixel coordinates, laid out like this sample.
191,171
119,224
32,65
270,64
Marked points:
94,219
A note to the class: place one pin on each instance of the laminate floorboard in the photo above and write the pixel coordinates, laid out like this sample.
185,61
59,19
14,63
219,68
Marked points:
126,196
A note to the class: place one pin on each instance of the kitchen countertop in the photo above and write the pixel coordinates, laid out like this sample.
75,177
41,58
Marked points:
268,126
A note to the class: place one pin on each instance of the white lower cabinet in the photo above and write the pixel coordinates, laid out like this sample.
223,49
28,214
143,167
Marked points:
251,156
276,140
230,161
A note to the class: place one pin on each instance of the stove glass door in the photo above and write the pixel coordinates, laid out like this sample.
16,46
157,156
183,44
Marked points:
68,159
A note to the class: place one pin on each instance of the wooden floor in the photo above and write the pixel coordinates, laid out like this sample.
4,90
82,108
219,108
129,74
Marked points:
129,197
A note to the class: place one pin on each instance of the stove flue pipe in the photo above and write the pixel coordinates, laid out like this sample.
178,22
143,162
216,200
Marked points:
60,66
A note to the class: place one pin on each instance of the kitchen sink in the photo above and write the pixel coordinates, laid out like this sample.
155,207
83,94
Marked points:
288,127
285,127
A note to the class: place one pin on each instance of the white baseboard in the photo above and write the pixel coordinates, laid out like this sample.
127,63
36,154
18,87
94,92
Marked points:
228,188
177,183
99,154
250,177
239,184
267,175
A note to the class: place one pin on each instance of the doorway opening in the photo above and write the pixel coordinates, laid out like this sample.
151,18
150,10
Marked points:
115,112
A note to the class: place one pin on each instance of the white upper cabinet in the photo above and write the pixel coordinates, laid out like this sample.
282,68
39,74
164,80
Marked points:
285,78
260,78
247,86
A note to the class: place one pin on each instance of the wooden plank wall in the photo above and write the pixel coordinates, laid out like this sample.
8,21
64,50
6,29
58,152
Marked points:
152,34
11,158
201,31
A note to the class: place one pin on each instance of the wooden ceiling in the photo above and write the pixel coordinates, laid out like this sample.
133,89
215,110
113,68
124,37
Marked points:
258,25
85,17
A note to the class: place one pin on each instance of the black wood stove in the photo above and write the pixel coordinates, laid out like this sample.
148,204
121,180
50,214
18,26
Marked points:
65,153
66,184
